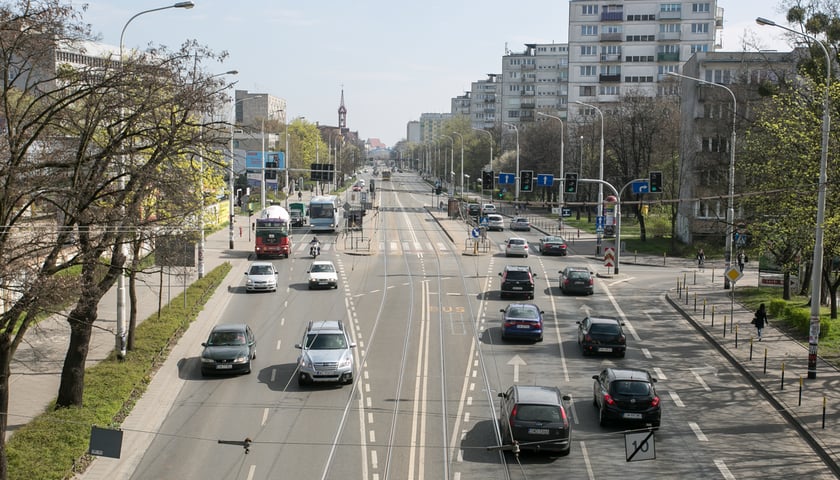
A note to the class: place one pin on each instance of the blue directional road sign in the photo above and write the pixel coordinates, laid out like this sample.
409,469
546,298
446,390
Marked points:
641,187
476,232
545,180
599,223
507,178
566,212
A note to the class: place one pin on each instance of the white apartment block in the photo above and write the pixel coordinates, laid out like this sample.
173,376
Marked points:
253,108
483,95
431,125
534,80
629,46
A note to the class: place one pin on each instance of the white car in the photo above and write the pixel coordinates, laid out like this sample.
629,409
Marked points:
516,246
495,222
322,274
261,276
488,208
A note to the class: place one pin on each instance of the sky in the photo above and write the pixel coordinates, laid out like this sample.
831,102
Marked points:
395,60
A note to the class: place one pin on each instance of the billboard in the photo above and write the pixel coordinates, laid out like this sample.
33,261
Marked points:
255,162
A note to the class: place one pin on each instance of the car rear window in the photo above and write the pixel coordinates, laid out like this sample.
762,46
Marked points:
605,328
630,387
538,413
518,275
517,242
580,275
524,313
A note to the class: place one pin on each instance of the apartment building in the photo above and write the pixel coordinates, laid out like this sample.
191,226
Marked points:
253,108
706,127
622,47
533,80
483,95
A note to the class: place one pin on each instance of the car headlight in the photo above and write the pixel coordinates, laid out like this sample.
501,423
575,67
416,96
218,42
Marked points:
207,360
303,361
242,358
345,362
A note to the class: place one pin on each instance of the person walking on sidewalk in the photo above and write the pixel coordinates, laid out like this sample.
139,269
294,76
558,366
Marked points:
701,257
741,259
760,320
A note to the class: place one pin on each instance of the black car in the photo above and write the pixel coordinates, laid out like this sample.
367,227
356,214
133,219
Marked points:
626,395
229,349
577,280
517,280
535,418
553,245
601,335
474,210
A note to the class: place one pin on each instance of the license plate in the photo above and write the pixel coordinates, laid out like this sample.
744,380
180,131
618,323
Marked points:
224,366
517,288
605,349
325,372
322,282
633,416
538,431
523,326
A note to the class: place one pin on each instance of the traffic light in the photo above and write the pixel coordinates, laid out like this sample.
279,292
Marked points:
570,184
438,190
526,181
315,172
270,172
655,182
487,180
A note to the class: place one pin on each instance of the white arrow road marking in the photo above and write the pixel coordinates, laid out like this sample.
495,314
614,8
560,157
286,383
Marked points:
516,361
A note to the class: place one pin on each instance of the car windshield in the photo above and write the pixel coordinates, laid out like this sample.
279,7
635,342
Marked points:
521,220
226,339
322,268
610,328
538,413
325,341
515,275
523,313
629,387
261,270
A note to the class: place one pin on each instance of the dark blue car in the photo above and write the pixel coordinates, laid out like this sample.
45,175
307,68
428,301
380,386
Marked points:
522,320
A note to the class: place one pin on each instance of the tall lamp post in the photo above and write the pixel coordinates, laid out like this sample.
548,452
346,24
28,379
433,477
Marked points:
730,209
488,187
599,233
816,273
461,137
516,194
561,199
122,330
451,160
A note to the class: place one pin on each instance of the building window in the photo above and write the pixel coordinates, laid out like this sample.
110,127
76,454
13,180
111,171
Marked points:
699,28
588,30
641,18
700,7
638,58
718,76
588,50
670,7
715,144
638,79
664,69
612,29
587,91
609,90
669,48
669,28
699,47
589,9
641,38
588,71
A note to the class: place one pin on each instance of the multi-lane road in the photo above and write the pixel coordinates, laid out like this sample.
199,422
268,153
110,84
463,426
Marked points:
430,363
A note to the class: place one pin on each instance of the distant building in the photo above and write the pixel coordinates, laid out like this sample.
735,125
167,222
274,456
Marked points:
483,101
534,80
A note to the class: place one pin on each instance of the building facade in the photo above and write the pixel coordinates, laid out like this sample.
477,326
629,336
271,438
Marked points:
253,108
534,80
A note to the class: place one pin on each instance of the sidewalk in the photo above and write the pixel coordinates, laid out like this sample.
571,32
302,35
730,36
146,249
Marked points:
36,366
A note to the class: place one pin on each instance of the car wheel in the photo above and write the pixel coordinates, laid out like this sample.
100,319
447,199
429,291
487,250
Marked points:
566,452
602,419
621,354
540,339
594,401
349,381
302,380
248,369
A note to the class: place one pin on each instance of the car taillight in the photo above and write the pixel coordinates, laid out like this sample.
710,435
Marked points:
608,399
565,418
654,402
587,337
622,339
512,415
591,281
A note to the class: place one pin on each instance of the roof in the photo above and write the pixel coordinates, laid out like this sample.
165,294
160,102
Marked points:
323,325
538,394
630,374
604,320
230,327
524,268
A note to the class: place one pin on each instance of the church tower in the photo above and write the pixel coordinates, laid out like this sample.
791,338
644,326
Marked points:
342,114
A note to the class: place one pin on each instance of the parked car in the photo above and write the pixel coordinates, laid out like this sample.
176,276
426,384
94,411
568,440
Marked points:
601,335
322,274
520,224
326,354
577,280
522,320
495,222
229,348
516,246
535,417
517,280
488,208
553,245
626,395
261,276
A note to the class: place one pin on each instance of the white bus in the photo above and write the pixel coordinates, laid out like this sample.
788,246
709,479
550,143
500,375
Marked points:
324,213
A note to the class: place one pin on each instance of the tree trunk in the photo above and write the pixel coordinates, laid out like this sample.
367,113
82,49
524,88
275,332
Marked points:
5,362
81,320
786,286
642,226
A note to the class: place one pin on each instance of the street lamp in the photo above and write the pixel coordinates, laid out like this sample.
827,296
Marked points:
516,194
467,176
816,273
452,161
122,331
461,137
490,187
598,232
562,166
730,209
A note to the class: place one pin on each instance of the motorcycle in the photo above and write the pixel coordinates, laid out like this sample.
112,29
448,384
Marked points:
314,250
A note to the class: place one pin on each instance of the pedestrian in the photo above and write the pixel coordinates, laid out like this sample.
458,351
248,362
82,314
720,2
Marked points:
741,258
760,320
701,257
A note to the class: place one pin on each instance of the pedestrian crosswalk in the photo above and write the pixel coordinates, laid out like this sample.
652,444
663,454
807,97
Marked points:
394,247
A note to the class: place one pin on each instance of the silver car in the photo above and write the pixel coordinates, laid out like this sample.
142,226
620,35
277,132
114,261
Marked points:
261,276
516,246
495,222
326,354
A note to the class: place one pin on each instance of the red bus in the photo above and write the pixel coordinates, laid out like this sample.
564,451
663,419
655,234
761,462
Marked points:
272,233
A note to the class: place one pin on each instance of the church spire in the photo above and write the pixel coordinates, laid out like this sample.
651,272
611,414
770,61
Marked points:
342,113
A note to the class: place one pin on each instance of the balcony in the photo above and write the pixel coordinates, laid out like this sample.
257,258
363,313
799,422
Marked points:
528,66
668,57
670,15
609,78
610,57
611,37
612,16
527,93
528,105
668,36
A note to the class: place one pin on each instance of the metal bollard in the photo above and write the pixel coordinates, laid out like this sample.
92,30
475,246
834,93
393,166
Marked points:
765,360
686,294
724,326
664,257
800,389
751,347
736,336
782,386
695,277
695,302
704,309
713,315
823,415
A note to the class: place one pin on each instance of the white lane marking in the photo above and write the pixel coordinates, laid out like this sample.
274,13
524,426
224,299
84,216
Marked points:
516,361
621,314
469,401
282,321
251,472
273,375
372,436
646,353
466,417
264,417
676,398
724,470
701,382
370,417
699,433
660,375
278,344
374,460
573,409
586,461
